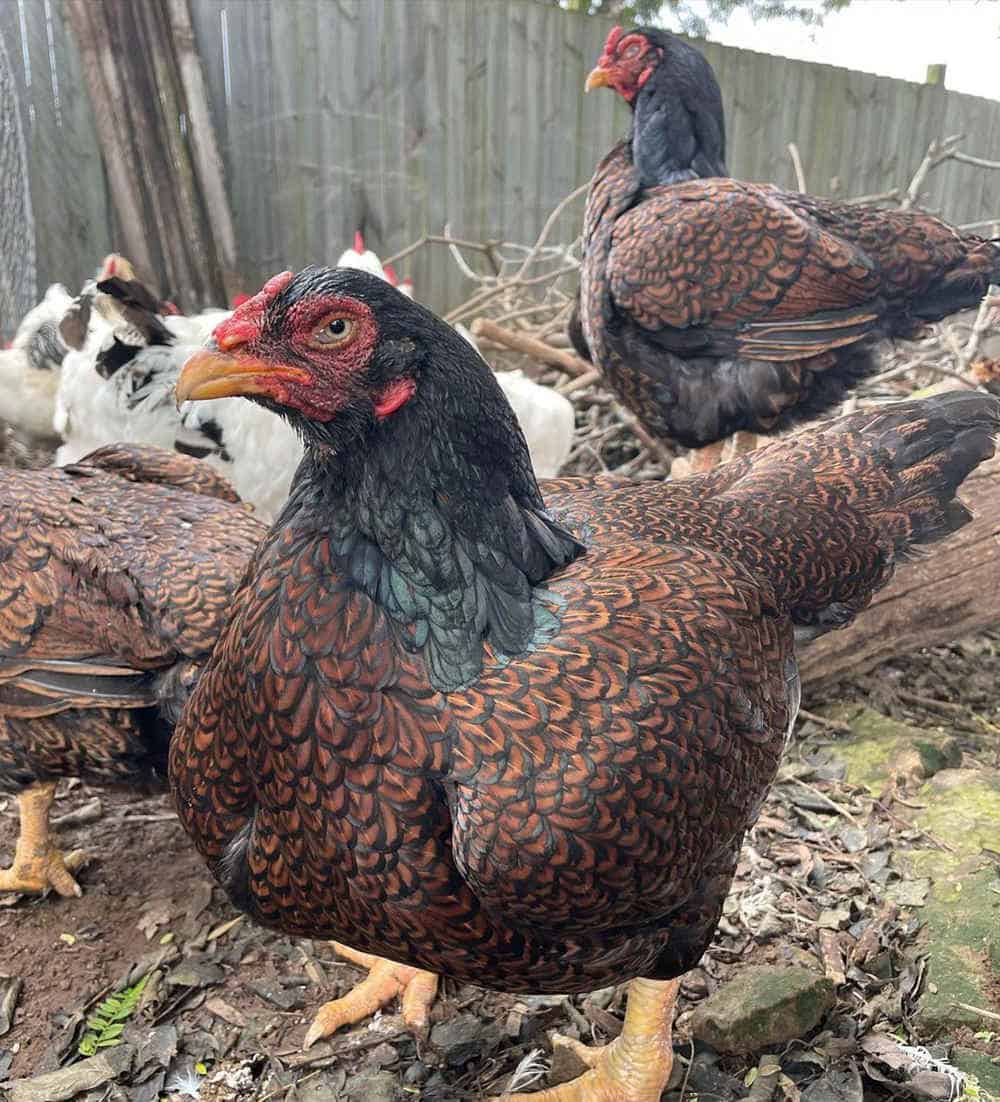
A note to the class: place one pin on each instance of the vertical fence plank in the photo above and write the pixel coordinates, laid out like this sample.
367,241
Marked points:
395,116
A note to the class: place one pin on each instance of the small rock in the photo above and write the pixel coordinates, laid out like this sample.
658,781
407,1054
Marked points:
695,984
464,1038
909,893
854,838
416,1074
326,1086
195,973
382,1056
709,1083
156,1051
762,1007
379,1087
566,1064
279,997
841,1083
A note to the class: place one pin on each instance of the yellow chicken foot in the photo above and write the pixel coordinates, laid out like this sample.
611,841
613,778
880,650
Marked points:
38,866
385,980
633,1068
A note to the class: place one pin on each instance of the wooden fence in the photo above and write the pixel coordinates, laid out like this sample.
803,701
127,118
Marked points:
398,116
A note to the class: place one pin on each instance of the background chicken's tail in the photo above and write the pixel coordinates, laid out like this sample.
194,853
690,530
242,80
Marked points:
963,286
844,503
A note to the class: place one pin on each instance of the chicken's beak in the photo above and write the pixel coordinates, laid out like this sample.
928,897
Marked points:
212,373
599,78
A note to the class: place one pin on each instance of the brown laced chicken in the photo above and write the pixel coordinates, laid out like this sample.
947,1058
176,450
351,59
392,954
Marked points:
115,577
714,306
511,738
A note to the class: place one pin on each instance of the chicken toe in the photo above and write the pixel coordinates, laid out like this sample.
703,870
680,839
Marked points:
38,865
633,1068
385,980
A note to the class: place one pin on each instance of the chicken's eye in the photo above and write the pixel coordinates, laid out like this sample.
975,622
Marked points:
632,51
335,331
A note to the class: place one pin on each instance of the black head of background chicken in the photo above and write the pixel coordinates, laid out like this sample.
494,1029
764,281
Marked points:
678,124
411,448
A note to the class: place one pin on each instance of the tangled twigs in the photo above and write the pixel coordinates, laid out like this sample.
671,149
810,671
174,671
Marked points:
987,319
530,346
937,153
488,248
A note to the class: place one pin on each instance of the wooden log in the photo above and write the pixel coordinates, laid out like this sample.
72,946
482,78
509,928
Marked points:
951,591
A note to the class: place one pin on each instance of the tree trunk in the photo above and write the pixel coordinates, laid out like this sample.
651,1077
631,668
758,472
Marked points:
951,591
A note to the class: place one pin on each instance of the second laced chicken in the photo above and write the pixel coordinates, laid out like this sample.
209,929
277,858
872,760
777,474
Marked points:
712,305
116,574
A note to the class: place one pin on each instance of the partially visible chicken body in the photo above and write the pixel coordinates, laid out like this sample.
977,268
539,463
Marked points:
120,387
30,367
115,578
713,305
514,740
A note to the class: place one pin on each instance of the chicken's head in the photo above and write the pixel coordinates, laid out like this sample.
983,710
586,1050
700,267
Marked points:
628,60
336,351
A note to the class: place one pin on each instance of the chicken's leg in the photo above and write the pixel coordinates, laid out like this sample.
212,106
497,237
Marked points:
385,980
38,865
636,1066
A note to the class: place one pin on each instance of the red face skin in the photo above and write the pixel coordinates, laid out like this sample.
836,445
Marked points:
625,65
316,362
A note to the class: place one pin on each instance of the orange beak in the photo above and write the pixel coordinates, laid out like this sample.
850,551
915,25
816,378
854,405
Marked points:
214,374
599,78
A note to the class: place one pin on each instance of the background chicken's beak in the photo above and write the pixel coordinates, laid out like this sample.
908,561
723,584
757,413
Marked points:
599,78
214,374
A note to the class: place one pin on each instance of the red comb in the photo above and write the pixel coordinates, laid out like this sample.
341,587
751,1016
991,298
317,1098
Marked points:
359,242
244,323
390,275
239,299
614,37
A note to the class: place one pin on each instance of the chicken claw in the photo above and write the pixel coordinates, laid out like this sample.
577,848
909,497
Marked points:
38,865
633,1068
385,980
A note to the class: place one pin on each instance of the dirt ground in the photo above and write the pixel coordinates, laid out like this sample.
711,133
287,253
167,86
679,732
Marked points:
228,1004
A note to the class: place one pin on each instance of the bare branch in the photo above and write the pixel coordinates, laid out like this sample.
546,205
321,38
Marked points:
800,176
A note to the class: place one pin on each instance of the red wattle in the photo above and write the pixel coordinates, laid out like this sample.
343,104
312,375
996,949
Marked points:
394,397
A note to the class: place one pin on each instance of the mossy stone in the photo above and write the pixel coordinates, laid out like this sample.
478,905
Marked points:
763,1006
